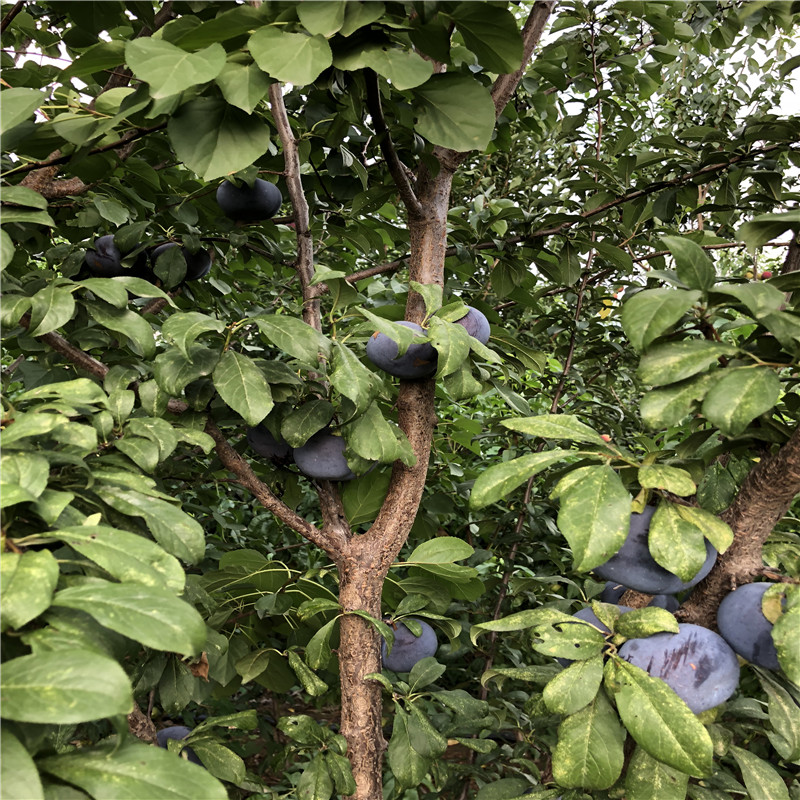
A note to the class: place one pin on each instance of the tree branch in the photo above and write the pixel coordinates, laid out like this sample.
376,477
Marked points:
8,18
305,244
397,169
506,85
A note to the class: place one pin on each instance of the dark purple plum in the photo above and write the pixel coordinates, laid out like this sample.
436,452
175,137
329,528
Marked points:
633,565
476,324
417,363
696,663
322,458
407,648
104,260
246,204
612,593
742,624
266,445
198,264
178,732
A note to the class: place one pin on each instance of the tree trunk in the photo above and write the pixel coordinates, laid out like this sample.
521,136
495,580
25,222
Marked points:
359,654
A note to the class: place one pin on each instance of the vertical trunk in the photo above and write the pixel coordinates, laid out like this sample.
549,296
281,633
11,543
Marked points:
359,654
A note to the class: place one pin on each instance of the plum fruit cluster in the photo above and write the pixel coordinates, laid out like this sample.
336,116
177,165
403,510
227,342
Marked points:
246,203
322,457
420,360
633,566
408,648
178,732
105,260
742,624
696,663
265,444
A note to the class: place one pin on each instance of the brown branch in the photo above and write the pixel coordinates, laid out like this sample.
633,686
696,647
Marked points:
397,169
305,243
8,18
233,462
571,353
506,85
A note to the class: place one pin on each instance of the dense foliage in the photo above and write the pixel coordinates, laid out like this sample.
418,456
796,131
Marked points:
622,207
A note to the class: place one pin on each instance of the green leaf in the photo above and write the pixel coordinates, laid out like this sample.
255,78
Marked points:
423,737
303,422
132,772
441,550
786,637
492,34
16,105
125,556
739,397
153,616
575,687
243,85
785,327
372,437
78,391
213,138
693,266
323,18
408,766
126,322
293,336
173,371
461,385
352,379
454,111
425,672
27,583
594,515
312,684
568,637
359,14
143,452
169,69
662,476
759,298
404,69
171,527
184,327
452,343
431,294
290,57
675,544
23,476
669,363
28,426
647,778
318,649
717,532
219,760
662,408
63,687
649,313
315,783
341,772
243,386
363,497
499,480
642,622
764,227
51,307
23,196
18,774
6,250
555,426
763,782
589,752
661,723
520,621
784,719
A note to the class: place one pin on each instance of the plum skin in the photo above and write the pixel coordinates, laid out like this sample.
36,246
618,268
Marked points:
265,444
178,732
246,204
476,324
696,663
417,363
104,260
198,264
408,649
633,565
322,457
742,624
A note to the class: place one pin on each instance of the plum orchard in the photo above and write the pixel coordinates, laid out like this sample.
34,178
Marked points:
528,324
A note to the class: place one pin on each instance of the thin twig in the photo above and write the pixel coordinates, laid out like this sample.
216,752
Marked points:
8,18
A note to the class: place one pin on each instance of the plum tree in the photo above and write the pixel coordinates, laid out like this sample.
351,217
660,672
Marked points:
408,648
265,444
178,732
742,624
417,363
246,203
696,663
322,457
476,324
104,260
633,564
198,264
